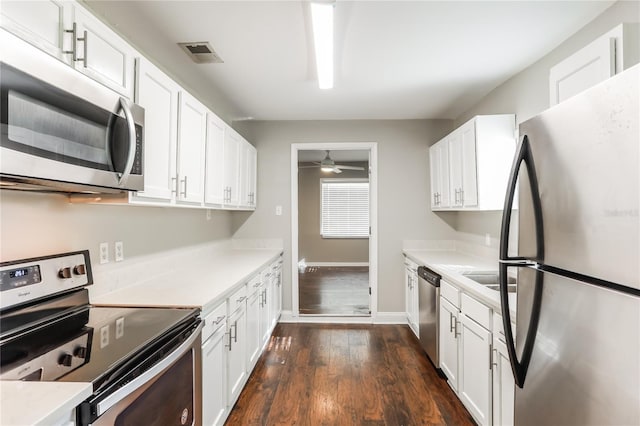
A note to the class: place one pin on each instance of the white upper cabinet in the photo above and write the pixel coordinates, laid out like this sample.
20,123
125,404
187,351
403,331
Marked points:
158,95
69,32
215,167
232,142
606,56
439,161
40,23
102,54
479,155
192,133
247,175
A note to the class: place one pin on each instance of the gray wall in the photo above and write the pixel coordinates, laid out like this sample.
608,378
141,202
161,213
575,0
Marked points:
311,245
39,224
527,94
403,182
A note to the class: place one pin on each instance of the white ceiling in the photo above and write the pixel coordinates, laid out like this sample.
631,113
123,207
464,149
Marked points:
393,59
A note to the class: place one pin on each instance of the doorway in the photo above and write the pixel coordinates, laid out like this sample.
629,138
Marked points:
334,230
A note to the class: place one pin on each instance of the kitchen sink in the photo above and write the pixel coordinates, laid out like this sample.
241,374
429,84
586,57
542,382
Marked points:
490,279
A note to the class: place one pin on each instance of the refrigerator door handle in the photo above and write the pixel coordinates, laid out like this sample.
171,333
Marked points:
520,367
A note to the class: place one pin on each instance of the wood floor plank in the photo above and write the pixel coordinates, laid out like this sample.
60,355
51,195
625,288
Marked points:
346,375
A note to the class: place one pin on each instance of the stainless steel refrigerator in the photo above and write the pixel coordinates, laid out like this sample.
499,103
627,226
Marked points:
576,356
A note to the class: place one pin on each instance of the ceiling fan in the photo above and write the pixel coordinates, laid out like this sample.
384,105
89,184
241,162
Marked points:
328,165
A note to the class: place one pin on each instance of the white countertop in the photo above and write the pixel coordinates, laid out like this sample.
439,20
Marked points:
31,403
451,263
202,284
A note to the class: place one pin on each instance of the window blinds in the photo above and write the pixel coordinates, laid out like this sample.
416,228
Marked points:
344,208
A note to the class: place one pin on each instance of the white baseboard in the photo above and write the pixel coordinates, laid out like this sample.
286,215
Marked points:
337,263
380,318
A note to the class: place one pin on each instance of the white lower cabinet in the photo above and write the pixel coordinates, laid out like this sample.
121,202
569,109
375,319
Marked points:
254,306
504,385
474,357
474,386
449,342
411,296
214,369
236,355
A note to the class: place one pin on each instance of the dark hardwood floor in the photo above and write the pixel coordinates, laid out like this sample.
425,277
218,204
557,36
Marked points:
334,290
320,374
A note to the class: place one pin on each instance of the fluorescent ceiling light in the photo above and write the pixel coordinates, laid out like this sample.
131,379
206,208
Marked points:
326,169
322,21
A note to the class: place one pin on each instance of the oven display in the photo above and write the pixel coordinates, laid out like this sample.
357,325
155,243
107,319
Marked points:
19,277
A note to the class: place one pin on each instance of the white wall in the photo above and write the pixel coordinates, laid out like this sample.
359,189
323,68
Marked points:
527,94
403,199
40,224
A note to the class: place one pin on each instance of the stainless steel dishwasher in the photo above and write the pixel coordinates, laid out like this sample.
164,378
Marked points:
429,305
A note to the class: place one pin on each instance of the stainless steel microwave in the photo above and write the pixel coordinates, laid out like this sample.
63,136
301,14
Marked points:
62,131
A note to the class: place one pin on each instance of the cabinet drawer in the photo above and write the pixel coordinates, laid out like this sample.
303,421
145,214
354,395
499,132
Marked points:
213,321
254,285
498,328
451,293
236,300
476,311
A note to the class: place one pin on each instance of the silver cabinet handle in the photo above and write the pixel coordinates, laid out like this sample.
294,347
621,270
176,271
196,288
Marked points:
124,105
241,299
493,356
184,193
461,196
174,185
235,327
228,334
219,319
84,50
456,328
450,322
74,42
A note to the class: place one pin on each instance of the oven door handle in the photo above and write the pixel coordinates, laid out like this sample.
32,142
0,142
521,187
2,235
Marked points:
139,381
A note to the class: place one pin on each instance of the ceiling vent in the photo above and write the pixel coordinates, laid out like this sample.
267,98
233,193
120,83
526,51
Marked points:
201,52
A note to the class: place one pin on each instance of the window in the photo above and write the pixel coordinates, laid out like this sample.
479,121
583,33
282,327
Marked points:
344,208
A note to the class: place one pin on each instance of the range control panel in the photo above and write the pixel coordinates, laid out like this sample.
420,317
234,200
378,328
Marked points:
29,279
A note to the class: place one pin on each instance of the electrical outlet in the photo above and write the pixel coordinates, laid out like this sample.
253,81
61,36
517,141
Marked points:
118,247
119,327
208,214
278,210
104,336
487,239
104,253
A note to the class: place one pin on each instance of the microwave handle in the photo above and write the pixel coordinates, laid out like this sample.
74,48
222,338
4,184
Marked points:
132,141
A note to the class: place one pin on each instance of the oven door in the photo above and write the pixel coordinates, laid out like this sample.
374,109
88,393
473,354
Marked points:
167,392
60,128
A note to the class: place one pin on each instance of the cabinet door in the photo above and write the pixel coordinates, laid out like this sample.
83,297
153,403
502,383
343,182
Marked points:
214,376
214,165
455,168
503,385
41,23
105,56
277,295
158,95
469,189
475,370
231,166
265,311
434,174
449,342
253,326
408,283
236,356
415,309
191,148
585,68
250,174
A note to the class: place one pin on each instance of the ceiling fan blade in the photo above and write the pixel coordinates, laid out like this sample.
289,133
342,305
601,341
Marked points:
340,166
336,170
